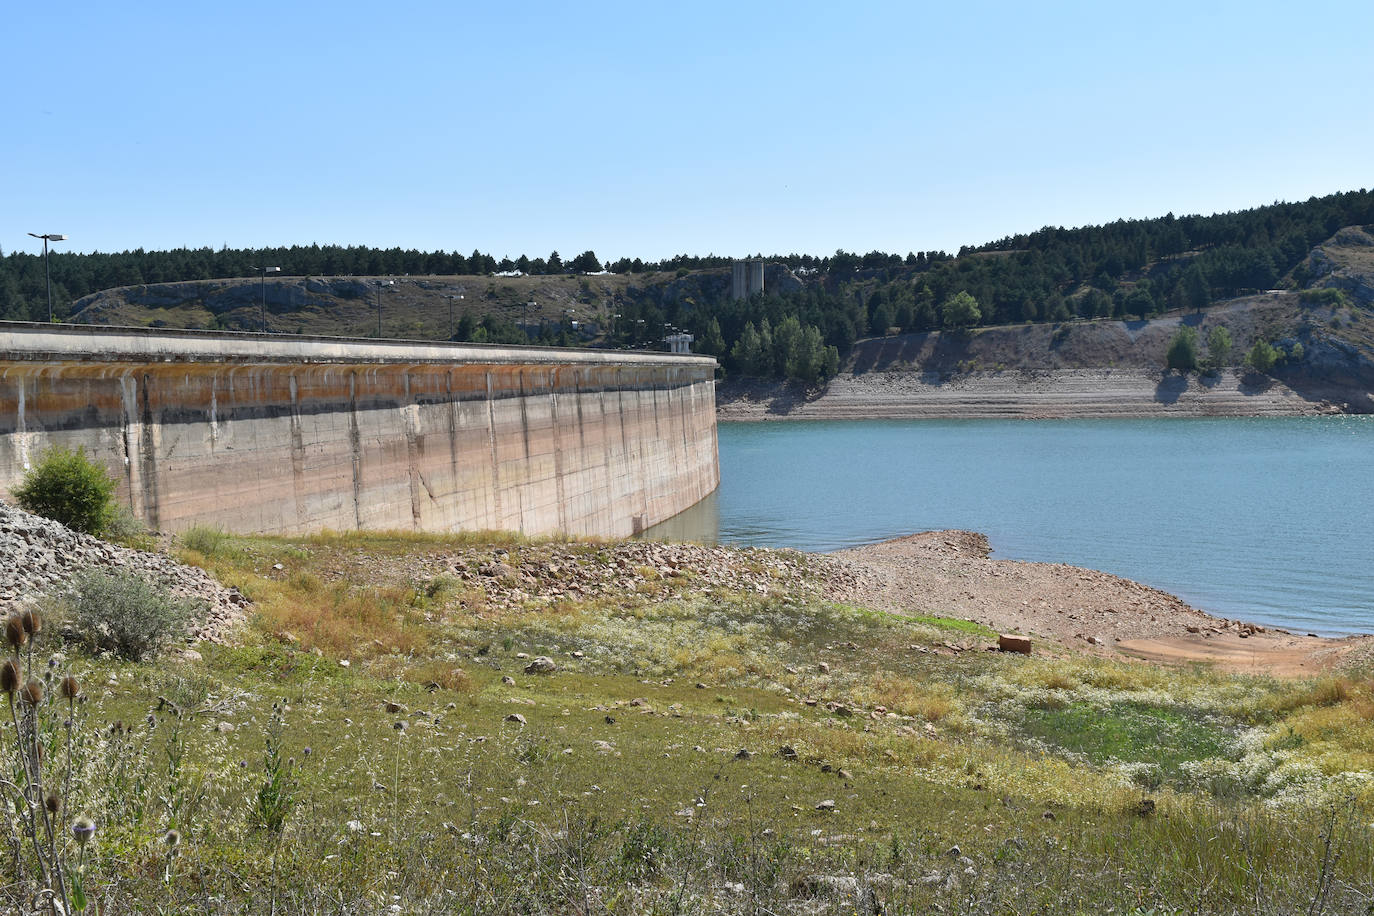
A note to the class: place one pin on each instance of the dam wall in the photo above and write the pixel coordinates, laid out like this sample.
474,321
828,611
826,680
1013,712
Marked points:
260,433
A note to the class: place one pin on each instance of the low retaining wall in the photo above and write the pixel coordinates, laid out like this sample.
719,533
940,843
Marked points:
270,434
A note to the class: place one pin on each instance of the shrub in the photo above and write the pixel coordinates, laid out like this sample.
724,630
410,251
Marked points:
1182,353
121,613
1325,295
1262,356
204,540
70,488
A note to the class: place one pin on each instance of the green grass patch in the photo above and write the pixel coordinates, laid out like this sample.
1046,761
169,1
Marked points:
1131,733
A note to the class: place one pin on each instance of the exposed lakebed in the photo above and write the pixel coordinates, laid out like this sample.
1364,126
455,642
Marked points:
1269,520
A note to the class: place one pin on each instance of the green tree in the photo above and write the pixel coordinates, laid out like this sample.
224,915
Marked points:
747,352
711,341
961,311
1218,347
1140,301
1182,352
70,488
1196,295
1262,356
555,264
586,263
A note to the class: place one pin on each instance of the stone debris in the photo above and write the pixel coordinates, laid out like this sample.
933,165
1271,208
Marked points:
652,569
38,557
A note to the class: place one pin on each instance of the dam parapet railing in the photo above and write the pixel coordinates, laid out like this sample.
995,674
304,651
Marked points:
267,433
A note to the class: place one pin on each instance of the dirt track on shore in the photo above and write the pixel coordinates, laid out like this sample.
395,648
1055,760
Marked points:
1021,394
950,573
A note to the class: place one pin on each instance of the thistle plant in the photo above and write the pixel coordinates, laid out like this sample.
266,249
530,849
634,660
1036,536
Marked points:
277,794
37,793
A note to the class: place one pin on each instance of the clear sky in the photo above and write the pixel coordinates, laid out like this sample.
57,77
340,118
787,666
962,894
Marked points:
651,129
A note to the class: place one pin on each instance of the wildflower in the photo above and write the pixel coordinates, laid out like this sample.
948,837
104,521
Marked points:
9,676
172,838
32,692
83,828
53,803
70,688
14,632
32,622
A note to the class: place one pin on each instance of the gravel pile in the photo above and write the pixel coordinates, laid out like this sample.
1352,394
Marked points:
39,556
549,571
649,568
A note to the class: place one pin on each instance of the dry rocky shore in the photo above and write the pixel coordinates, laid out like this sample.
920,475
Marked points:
945,573
1029,394
952,574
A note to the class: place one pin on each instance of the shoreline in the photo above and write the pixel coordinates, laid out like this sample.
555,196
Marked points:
952,574
1021,394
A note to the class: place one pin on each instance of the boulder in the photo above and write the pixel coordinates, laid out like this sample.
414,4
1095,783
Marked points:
541,664
1011,642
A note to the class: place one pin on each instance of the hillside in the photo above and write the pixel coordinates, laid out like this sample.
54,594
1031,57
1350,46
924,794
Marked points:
1296,276
1113,367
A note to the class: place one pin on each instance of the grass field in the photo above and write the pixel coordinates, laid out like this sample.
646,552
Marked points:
373,744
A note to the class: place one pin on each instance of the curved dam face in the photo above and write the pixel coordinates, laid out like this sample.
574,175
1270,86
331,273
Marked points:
270,434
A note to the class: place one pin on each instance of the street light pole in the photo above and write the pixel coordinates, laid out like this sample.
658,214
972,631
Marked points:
47,274
262,304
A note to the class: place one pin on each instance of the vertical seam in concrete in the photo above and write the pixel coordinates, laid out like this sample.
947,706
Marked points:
525,434
495,462
129,402
297,450
355,445
410,423
148,458
20,429
452,434
558,455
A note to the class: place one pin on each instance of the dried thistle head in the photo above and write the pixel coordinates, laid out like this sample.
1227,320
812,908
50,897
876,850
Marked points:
32,621
53,803
70,688
83,829
9,676
172,838
32,693
15,634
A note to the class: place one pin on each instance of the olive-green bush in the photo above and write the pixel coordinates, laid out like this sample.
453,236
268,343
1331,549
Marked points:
68,487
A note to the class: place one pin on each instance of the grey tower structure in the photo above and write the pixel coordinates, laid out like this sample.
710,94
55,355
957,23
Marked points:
746,279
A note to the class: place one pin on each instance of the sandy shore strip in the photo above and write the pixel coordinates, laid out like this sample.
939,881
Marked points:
1020,394
951,574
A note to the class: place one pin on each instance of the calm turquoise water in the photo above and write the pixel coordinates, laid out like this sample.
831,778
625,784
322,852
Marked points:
1267,519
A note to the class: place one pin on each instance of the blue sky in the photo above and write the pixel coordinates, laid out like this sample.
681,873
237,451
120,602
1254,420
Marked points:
647,130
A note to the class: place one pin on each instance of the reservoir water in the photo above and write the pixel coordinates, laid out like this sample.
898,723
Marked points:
1270,520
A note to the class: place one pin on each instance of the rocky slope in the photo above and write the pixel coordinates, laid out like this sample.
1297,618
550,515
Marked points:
38,557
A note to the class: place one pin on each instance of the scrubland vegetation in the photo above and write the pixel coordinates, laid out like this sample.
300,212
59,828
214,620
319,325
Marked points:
374,744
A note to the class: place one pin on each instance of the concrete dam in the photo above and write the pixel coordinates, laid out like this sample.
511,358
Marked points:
269,434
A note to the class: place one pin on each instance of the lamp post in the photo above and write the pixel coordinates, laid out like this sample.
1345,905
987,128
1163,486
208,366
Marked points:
380,284
47,275
262,303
